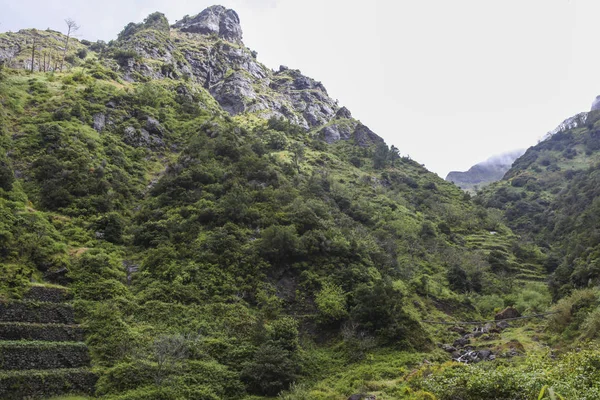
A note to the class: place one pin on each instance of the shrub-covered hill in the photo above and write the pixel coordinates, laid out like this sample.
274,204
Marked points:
227,230
551,195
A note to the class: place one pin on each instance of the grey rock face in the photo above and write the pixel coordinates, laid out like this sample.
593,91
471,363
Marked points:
365,137
7,54
234,94
348,129
141,138
154,127
336,132
99,122
214,20
343,113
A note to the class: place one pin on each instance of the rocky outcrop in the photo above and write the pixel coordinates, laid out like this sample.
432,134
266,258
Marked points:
215,20
569,123
349,129
207,49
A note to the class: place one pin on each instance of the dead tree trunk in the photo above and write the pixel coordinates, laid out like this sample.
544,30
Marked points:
33,55
72,27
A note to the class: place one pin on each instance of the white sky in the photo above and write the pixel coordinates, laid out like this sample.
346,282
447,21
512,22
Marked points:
449,83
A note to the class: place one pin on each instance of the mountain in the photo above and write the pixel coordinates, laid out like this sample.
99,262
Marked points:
223,231
484,173
550,195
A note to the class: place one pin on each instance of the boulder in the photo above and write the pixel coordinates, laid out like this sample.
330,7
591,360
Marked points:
484,354
154,127
502,325
507,313
448,348
216,20
461,342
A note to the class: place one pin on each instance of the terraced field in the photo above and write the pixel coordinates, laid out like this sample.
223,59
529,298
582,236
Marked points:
500,244
42,352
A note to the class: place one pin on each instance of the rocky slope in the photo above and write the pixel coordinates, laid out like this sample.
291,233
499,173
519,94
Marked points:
484,173
206,49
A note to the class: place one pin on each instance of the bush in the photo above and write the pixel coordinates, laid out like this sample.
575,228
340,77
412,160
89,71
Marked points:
379,310
572,311
331,303
82,53
272,370
488,304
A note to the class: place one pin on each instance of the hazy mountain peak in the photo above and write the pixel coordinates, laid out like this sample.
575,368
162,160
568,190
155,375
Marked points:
596,104
485,172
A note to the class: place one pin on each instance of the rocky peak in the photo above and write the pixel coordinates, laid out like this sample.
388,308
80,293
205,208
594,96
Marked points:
596,104
216,20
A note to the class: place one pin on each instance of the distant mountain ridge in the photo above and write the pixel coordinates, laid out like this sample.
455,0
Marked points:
484,173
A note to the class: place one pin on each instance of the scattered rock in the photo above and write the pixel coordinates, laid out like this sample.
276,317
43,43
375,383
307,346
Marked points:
502,325
448,348
461,342
483,354
154,127
458,329
141,138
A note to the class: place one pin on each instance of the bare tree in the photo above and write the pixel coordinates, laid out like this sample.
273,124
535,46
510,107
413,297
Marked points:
72,28
33,54
169,352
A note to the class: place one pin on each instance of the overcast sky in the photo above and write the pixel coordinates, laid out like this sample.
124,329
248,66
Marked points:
449,83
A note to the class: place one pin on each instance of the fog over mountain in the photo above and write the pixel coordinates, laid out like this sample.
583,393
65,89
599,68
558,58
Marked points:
485,172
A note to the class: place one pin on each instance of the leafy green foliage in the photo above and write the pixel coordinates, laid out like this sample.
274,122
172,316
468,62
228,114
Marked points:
213,257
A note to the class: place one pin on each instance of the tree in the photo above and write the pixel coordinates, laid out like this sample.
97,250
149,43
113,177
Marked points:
72,27
394,155
169,352
297,150
33,55
381,156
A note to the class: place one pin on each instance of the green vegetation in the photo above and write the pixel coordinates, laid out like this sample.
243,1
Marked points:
219,257
550,197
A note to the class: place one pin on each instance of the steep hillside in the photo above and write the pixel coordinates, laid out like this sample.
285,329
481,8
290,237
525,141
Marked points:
550,195
227,230
484,173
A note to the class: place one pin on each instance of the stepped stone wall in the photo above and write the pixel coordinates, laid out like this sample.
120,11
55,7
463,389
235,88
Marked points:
42,353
